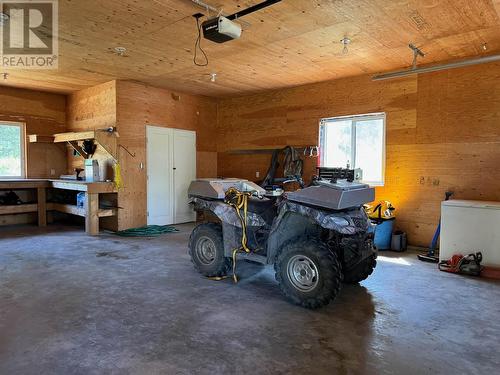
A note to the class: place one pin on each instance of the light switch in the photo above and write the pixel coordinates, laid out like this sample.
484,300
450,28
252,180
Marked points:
257,174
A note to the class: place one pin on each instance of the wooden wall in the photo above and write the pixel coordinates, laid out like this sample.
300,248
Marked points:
443,133
89,109
130,107
139,105
44,114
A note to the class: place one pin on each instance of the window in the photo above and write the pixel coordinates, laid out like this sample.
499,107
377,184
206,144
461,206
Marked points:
357,141
11,150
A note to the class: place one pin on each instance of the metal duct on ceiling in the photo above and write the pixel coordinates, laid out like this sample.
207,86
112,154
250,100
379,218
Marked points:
435,68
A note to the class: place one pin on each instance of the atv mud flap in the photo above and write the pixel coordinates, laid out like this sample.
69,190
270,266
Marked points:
356,250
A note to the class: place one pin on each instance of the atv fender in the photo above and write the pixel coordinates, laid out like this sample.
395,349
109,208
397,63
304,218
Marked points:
295,220
226,213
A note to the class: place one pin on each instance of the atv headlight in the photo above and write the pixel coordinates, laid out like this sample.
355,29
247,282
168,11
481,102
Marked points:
340,221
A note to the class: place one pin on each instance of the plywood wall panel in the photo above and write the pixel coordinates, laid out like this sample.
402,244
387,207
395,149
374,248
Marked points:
44,114
291,116
139,105
130,106
461,105
443,133
206,164
92,108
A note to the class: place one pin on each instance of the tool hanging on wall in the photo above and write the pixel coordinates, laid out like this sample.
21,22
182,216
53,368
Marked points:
311,151
292,167
89,146
117,169
128,152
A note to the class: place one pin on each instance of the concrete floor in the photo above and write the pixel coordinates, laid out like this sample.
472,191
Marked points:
72,304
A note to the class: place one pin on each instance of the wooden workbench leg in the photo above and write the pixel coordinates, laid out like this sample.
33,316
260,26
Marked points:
42,207
91,214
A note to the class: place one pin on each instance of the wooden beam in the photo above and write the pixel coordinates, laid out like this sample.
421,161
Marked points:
69,185
78,149
91,214
66,209
108,141
91,187
74,136
42,207
79,211
18,209
22,184
35,138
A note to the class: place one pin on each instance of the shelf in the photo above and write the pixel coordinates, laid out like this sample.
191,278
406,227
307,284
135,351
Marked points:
74,136
79,211
107,140
35,138
18,209
257,150
89,187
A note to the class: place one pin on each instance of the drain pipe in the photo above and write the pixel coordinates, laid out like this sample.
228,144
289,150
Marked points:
435,68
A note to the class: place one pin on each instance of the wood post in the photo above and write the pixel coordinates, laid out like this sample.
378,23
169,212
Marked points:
42,207
92,214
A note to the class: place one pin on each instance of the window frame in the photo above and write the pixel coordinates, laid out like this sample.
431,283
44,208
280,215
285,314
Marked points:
22,127
354,120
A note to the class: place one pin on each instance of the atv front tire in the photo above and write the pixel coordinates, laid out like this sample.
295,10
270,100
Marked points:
361,271
308,273
206,249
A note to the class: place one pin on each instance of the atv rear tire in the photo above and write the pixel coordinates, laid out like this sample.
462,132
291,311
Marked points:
206,249
308,274
361,271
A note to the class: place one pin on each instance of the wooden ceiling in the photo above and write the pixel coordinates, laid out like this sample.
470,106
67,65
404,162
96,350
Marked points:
291,43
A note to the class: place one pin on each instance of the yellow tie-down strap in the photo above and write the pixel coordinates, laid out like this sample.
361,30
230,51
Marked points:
239,200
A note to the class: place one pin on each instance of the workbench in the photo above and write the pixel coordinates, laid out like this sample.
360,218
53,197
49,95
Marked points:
91,211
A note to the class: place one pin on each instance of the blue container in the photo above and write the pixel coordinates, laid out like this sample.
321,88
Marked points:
383,234
80,200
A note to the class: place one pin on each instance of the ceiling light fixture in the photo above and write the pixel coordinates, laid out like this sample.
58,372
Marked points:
345,42
4,17
120,51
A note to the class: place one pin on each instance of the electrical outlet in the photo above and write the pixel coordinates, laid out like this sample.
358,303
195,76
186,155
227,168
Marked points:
257,174
52,172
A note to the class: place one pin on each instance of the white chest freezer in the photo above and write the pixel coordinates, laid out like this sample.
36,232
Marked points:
468,227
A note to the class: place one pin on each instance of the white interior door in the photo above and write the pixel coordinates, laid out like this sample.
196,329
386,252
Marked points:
184,173
171,166
160,190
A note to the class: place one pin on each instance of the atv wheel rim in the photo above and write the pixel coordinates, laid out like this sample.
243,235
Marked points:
205,250
302,273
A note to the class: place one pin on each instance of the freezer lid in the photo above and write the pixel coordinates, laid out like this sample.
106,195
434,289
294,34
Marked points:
471,204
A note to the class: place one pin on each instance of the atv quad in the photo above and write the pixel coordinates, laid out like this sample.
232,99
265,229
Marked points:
316,238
